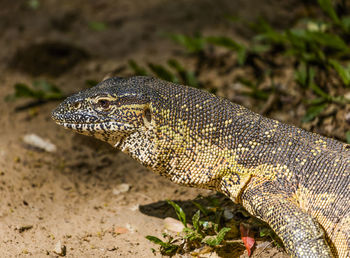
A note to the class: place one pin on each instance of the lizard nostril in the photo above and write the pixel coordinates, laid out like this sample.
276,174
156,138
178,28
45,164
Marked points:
77,105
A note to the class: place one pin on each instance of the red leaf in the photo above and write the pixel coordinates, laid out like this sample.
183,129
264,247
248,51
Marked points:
247,236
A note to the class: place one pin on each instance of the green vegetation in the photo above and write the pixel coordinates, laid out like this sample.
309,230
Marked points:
204,230
317,49
97,26
40,90
209,228
173,72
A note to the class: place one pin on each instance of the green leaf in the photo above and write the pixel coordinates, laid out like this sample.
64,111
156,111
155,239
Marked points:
195,220
327,7
231,45
267,34
168,248
304,75
24,91
204,210
345,23
163,73
328,40
347,135
297,38
319,91
41,90
220,236
48,89
265,232
224,42
179,212
192,235
192,44
313,112
300,75
216,240
156,240
260,48
343,72
97,26
241,56
138,70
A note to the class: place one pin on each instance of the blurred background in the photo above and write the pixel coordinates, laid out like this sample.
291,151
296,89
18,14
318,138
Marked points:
288,60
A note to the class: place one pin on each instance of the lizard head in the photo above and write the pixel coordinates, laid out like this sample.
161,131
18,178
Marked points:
110,111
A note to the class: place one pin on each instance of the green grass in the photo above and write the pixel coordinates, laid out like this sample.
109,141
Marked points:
40,90
316,48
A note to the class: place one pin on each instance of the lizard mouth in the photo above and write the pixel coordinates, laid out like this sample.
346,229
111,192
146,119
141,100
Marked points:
98,130
101,126
81,126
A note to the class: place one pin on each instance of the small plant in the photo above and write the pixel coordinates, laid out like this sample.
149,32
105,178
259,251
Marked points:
40,90
204,230
166,247
193,45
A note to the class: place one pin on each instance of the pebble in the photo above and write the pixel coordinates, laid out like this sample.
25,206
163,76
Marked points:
228,215
60,249
122,188
38,142
173,225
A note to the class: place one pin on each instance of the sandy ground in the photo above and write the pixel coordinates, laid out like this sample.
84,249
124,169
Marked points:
70,196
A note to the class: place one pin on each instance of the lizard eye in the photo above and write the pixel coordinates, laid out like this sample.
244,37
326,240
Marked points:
104,103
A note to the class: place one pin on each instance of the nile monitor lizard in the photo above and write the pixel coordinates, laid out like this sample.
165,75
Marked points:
296,181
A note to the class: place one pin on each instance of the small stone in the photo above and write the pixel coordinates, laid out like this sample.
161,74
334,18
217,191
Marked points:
173,225
228,215
60,249
122,188
135,207
130,228
38,142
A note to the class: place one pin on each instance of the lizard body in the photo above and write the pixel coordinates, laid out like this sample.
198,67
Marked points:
296,181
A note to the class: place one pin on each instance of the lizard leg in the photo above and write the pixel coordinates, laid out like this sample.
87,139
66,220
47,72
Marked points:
300,233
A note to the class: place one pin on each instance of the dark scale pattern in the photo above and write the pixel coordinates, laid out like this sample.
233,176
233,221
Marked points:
296,181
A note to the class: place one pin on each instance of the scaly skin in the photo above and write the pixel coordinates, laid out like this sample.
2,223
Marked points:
296,181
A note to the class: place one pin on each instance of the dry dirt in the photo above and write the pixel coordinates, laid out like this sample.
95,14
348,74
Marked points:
70,195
